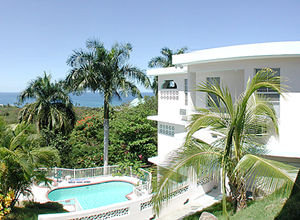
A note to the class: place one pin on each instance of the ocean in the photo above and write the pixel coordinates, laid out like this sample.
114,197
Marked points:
87,99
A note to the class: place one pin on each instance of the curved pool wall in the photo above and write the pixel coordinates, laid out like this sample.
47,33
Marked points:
94,195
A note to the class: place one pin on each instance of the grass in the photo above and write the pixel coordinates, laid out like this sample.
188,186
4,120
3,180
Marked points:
9,114
31,210
272,207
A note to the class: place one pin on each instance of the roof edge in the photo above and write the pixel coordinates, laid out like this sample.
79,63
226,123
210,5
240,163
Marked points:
166,71
240,52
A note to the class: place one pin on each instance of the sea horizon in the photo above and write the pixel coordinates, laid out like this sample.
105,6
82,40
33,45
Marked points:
86,99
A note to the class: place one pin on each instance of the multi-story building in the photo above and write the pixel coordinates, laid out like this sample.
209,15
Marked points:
232,66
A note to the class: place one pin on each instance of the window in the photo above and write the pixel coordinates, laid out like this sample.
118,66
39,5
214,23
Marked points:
186,91
167,129
268,93
169,84
211,97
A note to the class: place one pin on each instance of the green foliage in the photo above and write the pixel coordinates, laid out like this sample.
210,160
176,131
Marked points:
52,108
47,205
133,137
106,71
59,142
127,166
85,140
5,203
268,208
163,61
9,114
20,158
166,59
31,210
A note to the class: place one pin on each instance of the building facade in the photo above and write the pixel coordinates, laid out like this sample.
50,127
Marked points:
231,66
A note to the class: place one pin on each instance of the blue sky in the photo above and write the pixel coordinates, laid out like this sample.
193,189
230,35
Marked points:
37,36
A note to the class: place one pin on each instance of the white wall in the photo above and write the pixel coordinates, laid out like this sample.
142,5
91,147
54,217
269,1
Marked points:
288,144
234,79
171,108
232,73
167,143
235,75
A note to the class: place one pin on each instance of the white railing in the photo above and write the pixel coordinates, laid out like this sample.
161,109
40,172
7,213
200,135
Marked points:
63,173
145,186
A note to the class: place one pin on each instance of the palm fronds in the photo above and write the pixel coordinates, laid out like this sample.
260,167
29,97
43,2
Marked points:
163,61
194,161
52,107
266,175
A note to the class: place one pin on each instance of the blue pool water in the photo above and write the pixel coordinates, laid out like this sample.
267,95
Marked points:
96,195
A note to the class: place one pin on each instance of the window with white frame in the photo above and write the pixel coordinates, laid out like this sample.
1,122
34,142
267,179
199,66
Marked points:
166,129
212,98
270,94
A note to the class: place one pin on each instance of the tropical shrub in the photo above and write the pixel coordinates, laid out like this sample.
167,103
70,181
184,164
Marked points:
5,203
85,139
61,143
132,136
21,155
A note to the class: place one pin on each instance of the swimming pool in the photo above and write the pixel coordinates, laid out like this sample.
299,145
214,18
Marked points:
95,195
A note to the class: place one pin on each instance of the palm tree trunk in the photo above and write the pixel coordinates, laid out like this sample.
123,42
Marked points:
106,133
223,187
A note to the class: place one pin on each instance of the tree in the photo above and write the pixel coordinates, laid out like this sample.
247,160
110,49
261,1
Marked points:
20,158
52,108
163,61
107,72
238,125
133,136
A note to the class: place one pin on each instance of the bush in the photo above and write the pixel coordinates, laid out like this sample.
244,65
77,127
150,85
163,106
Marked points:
48,205
132,137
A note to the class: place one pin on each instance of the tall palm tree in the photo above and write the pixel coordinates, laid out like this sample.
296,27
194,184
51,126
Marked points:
238,125
20,158
163,61
52,108
107,72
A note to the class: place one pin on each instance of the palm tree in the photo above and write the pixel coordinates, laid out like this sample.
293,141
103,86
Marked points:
107,72
52,108
20,158
237,125
163,61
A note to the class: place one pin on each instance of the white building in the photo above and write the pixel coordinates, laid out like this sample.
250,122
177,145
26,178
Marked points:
231,66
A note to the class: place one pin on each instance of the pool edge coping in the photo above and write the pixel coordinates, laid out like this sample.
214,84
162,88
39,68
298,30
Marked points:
87,184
